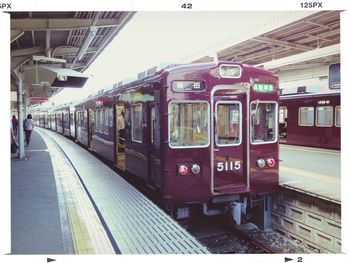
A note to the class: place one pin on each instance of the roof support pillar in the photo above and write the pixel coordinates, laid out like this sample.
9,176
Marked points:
48,43
20,132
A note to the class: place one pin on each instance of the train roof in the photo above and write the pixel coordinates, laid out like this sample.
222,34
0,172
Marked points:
210,65
310,94
174,68
170,69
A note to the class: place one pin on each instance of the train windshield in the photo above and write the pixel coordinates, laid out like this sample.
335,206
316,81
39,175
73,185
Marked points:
228,123
263,122
188,124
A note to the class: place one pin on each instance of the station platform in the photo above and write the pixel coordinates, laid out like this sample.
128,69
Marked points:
311,170
37,226
66,201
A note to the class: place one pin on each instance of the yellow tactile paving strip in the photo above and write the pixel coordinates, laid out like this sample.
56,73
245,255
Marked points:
88,234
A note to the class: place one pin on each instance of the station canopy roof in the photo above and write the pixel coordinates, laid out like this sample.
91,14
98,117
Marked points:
316,36
55,48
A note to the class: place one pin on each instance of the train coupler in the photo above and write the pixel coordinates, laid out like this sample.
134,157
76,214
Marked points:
236,210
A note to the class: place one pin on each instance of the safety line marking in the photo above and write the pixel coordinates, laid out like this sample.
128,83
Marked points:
304,149
326,178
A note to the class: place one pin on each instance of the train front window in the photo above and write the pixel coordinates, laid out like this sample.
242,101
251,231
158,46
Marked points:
188,124
228,124
263,122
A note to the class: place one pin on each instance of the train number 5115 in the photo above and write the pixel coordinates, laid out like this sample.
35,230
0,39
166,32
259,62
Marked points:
228,166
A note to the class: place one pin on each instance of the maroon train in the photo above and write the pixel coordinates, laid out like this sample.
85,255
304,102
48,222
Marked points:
310,119
203,134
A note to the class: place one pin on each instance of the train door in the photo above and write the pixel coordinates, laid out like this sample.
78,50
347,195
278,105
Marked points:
120,136
229,142
282,121
90,124
55,121
152,154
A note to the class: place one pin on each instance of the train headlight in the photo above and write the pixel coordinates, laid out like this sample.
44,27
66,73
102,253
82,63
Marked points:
230,71
271,162
183,170
195,169
261,163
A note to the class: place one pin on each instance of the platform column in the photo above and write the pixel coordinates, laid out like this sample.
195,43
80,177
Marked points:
267,222
21,154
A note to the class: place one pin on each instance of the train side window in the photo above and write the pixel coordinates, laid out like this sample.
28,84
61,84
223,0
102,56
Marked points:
97,119
324,116
102,120
153,123
136,123
188,124
337,116
105,124
306,116
110,118
80,119
85,120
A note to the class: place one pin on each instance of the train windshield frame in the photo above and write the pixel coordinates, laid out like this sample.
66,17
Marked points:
188,124
264,122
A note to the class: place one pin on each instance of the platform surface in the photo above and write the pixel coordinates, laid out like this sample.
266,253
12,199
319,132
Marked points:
35,217
311,170
137,225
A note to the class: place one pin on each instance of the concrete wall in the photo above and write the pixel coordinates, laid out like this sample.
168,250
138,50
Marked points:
312,221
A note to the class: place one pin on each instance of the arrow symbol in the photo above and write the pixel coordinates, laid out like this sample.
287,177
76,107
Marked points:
287,259
50,260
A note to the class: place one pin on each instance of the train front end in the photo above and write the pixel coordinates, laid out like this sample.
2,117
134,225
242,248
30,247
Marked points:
221,149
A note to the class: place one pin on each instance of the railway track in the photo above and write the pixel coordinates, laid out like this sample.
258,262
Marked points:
221,238
254,240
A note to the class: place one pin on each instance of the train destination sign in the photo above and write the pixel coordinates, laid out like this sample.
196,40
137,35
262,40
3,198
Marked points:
181,86
263,87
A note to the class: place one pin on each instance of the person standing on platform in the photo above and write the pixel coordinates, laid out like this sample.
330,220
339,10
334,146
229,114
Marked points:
14,125
14,145
28,127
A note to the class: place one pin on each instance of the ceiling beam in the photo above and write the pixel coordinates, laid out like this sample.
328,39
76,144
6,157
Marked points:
18,61
323,36
59,24
16,34
26,51
318,24
267,55
66,51
282,43
250,54
303,57
75,65
303,65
